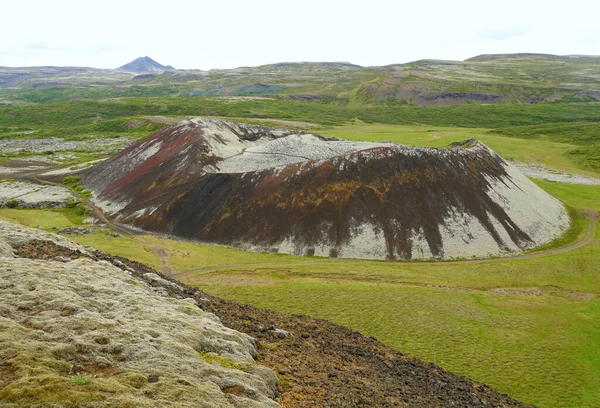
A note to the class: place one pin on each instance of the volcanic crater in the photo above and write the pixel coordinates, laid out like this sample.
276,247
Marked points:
276,190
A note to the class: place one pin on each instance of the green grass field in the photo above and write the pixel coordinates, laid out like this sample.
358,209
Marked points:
190,255
564,135
538,347
530,327
551,154
47,219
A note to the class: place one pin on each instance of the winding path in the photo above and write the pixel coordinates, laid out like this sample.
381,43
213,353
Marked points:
586,239
166,267
160,251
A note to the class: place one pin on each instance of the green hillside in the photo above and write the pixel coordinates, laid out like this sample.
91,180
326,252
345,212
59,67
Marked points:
514,78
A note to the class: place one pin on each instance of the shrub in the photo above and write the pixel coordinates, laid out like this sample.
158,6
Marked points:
71,181
77,206
11,204
81,380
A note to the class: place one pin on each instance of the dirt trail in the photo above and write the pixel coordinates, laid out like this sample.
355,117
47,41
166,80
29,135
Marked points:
588,238
166,268
161,252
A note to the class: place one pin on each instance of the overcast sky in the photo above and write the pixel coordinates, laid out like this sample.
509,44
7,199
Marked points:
227,33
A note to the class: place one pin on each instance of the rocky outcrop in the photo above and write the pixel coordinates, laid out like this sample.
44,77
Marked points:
18,194
281,191
76,330
102,341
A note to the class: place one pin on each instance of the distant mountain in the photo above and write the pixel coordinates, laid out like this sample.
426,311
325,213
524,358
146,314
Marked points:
484,79
144,65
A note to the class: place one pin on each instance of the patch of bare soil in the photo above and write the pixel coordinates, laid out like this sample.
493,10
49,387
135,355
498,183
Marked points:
545,291
237,280
24,164
320,364
47,250
18,168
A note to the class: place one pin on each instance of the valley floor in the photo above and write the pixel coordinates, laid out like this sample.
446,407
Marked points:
318,363
526,326
529,327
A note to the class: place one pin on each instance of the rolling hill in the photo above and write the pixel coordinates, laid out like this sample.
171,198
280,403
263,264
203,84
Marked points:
510,78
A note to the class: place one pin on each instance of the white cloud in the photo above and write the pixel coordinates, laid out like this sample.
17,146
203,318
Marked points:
225,34
501,34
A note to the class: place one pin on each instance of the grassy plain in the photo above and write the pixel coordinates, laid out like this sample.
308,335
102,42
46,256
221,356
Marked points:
564,135
530,327
536,345
114,116
186,255
46,219
550,153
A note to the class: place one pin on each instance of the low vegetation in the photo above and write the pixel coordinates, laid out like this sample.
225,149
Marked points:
86,334
528,327
550,153
81,380
73,183
497,322
67,118
48,219
586,136
213,358
517,78
564,131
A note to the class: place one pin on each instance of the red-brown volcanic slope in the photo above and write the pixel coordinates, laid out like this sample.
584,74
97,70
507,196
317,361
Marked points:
272,190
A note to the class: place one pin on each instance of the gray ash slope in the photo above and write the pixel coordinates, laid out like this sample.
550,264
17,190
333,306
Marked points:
282,191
